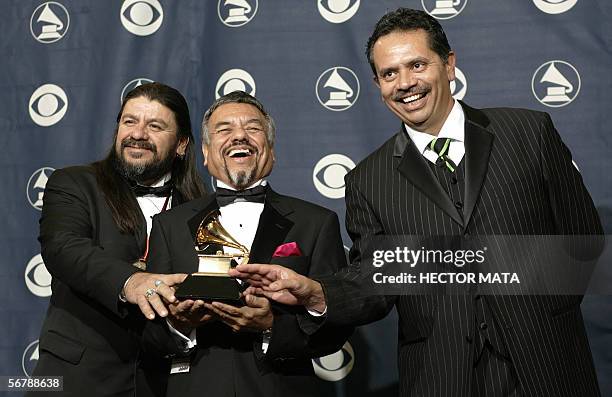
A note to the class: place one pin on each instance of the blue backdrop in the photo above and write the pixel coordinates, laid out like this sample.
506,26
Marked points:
67,63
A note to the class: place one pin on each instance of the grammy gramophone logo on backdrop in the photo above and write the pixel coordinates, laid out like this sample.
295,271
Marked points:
337,11
29,358
555,6
235,13
35,189
49,22
47,105
141,17
337,88
133,84
555,83
443,9
235,80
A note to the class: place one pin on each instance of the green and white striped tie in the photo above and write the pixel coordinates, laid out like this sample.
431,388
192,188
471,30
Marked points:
440,147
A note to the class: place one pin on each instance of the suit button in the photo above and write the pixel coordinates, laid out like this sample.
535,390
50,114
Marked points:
454,180
459,205
477,297
468,339
466,234
483,326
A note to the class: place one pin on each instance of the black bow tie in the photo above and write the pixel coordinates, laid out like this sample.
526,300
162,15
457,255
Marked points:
159,191
256,194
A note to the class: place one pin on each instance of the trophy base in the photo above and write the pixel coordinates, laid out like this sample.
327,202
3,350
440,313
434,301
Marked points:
210,287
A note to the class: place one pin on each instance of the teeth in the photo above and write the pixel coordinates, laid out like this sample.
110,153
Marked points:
235,152
413,98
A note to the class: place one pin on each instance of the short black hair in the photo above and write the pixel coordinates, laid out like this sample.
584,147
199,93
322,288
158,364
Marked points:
405,20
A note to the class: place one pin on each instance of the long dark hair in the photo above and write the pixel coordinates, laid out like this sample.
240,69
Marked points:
185,176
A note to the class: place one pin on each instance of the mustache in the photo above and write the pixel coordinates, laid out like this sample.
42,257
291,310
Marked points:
135,143
400,94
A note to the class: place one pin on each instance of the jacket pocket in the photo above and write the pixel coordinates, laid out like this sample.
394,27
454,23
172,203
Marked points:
62,347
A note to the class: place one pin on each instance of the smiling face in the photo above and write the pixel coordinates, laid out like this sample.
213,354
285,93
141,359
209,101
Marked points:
413,79
238,152
146,143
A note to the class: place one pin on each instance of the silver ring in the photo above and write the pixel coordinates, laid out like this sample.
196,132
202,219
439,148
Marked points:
158,283
149,293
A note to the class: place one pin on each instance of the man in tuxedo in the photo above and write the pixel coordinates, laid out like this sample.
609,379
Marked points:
93,234
259,349
454,170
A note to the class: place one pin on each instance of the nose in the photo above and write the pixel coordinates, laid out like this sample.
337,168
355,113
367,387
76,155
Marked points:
406,80
139,132
239,134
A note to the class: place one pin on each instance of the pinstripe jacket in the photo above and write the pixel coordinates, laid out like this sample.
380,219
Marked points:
519,181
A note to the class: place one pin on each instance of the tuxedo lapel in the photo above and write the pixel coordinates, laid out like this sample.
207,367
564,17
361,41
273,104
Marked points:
272,229
478,143
413,166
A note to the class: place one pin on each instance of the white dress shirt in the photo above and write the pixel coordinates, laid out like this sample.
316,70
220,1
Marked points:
453,128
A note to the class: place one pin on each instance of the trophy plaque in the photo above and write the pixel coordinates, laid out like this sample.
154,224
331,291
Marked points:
211,282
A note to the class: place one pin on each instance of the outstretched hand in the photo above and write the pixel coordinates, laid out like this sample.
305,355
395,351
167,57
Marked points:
282,285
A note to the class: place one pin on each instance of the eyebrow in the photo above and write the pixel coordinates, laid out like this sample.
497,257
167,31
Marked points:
161,121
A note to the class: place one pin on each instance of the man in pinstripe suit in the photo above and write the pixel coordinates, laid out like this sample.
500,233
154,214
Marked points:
455,170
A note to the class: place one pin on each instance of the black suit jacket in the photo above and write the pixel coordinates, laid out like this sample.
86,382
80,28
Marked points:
229,364
88,334
519,181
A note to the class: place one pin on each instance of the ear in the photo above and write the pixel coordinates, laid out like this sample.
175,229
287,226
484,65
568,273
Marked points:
181,149
205,153
375,79
450,66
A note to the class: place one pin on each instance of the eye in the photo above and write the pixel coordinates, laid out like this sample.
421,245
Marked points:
142,17
48,104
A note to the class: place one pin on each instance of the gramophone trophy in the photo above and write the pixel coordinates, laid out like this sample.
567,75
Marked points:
211,282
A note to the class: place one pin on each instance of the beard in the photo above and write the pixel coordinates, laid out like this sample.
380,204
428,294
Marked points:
241,179
143,172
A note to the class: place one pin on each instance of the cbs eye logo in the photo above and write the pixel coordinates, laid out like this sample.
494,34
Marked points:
235,80
141,17
335,366
554,6
37,278
458,86
337,11
235,13
133,84
49,22
29,358
48,104
328,175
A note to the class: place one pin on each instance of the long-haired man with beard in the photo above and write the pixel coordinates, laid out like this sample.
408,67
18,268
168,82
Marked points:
94,238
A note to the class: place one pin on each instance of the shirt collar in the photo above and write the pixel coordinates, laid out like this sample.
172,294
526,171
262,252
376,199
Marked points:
261,182
161,181
453,127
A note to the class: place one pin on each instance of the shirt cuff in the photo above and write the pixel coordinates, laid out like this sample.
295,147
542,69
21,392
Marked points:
315,313
187,343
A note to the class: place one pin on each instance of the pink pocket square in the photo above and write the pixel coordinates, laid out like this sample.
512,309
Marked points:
287,249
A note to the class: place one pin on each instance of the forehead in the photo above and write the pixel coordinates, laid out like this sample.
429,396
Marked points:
236,112
142,106
402,43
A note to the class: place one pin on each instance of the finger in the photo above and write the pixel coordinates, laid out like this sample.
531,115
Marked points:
223,316
288,284
166,293
172,279
158,305
256,301
145,308
229,309
181,307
